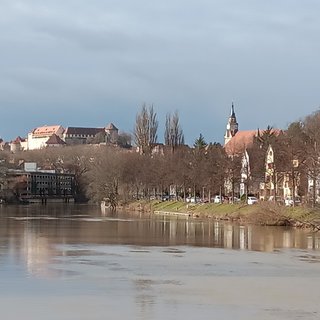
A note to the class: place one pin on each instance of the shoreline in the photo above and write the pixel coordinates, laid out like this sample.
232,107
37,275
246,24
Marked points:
264,213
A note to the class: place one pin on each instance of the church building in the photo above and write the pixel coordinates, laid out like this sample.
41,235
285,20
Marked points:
235,141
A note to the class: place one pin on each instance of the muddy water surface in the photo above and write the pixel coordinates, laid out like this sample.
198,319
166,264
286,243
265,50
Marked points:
73,262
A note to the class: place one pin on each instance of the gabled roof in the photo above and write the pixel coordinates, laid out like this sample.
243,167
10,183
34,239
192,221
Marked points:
18,139
55,140
240,141
83,131
111,126
46,130
244,139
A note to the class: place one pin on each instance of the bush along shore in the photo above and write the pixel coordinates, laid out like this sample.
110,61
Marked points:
264,213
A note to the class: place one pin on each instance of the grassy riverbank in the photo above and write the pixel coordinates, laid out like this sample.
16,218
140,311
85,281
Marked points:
264,213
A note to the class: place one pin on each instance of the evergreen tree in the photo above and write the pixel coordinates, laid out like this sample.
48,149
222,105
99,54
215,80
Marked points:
200,143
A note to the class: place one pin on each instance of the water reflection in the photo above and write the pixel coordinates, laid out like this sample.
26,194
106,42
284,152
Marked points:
73,262
32,233
36,252
145,298
233,236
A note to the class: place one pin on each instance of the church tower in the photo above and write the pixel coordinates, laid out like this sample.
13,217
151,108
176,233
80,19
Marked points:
232,126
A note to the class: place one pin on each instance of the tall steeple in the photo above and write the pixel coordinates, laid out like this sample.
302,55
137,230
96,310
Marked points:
232,114
232,126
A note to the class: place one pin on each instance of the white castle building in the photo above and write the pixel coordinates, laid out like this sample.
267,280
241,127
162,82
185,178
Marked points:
56,135
38,137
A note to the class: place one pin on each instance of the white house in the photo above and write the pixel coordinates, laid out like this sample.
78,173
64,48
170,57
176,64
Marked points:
38,138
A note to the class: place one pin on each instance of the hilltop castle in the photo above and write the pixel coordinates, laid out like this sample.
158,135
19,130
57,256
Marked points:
54,136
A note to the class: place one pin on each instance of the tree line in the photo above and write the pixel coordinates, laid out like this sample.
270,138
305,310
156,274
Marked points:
113,174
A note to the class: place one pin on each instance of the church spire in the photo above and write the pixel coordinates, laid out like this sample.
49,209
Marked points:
232,114
232,126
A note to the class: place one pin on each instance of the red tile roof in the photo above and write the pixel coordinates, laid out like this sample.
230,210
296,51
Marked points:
18,139
241,141
46,130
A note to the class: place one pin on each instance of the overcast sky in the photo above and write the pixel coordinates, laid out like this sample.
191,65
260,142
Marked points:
88,63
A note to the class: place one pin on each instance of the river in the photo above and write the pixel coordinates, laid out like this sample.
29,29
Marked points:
75,262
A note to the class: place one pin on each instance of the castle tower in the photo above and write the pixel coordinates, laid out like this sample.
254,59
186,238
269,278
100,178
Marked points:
112,133
232,126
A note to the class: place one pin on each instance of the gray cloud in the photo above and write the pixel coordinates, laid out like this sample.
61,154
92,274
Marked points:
90,62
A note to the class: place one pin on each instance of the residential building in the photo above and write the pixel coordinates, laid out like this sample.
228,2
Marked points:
279,184
314,188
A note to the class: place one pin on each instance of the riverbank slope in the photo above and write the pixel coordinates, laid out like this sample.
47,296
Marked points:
264,213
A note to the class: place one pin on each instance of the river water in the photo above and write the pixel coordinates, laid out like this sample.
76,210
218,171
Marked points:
75,262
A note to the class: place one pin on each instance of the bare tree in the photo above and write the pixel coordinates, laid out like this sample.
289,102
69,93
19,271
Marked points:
173,135
100,137
145,131
214,169
124,140
311,126
104,176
